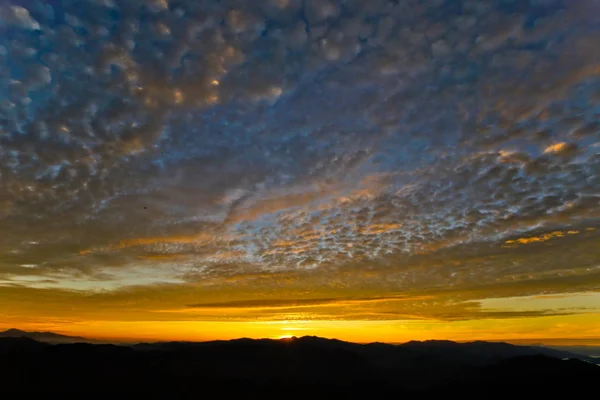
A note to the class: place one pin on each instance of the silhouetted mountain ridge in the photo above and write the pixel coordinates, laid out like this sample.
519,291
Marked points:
47,337
297,367
488,350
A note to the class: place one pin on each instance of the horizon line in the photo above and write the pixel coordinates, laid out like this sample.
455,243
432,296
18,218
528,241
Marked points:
583,341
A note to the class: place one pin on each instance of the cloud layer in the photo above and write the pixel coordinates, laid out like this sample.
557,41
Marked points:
300,151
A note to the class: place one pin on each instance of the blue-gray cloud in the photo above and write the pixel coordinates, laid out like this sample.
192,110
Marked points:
173,141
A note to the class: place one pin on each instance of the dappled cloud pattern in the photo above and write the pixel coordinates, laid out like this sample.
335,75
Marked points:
329,160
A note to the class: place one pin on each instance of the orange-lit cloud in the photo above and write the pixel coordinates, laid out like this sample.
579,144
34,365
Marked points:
201,238
542,238
161,257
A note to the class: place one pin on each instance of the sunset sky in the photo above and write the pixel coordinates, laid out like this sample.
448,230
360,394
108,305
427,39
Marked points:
367,170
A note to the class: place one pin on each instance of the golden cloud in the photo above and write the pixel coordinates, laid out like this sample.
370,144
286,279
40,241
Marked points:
541,238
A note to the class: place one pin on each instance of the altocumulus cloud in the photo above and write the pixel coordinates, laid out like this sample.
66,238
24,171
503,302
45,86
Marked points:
343,147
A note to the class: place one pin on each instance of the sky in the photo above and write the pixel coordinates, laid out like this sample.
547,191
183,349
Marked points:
368,170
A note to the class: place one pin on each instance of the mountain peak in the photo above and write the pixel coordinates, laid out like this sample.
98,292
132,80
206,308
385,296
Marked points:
14,331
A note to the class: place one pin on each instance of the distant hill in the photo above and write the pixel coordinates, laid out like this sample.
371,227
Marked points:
592,351
294,368
47,337
490,350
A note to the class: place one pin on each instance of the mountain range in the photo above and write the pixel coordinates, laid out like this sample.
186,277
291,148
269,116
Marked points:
293,368
48,337
475,349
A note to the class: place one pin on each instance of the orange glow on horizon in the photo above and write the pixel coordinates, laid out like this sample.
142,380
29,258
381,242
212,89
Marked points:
580,329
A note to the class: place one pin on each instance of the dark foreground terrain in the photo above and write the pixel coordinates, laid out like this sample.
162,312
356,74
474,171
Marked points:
294,368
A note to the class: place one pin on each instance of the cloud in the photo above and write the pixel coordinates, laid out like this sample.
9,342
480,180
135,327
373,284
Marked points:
542,238
17,16
355,309
281,303
268,303
354,150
